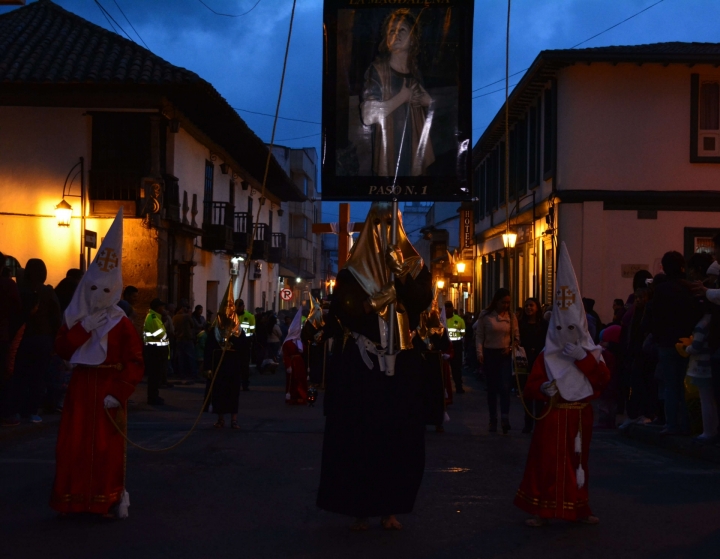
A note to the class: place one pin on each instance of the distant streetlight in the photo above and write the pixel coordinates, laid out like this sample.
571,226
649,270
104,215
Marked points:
460,267
63,211
509,240
298,280
441,284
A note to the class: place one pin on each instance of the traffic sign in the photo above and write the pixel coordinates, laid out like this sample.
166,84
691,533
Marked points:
286,294
90,239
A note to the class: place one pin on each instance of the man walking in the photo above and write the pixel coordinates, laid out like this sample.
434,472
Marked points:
156,351
456,333
247,323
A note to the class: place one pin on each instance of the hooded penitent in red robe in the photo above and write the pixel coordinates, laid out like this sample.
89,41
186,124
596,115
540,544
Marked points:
296,381
549,488
90,453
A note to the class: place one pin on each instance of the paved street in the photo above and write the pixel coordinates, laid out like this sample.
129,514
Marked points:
252,493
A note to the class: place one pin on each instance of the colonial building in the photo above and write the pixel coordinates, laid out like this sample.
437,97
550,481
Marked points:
92,119
616,152
301,250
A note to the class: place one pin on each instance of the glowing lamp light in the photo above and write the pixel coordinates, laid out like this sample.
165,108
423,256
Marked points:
460,267
298,280
509,240
63,213
441,284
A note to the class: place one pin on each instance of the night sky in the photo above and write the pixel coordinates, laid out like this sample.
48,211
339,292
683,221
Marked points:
242,56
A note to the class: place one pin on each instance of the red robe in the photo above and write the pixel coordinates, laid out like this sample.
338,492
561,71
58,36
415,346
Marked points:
296,381
549,487
90,453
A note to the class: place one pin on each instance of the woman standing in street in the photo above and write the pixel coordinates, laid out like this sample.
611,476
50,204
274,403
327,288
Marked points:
533,330
496,336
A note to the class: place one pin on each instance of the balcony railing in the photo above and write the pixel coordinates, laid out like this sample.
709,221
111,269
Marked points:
261,243
218,226
278,246
115,185
240,232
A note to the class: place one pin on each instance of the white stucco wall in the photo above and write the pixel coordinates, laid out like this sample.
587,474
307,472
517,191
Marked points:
627,127
38,147
600,242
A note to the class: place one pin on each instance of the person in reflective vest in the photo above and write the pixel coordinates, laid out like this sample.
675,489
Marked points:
156,350
456,333
247,323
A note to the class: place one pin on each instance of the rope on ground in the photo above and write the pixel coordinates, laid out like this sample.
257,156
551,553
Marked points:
197,419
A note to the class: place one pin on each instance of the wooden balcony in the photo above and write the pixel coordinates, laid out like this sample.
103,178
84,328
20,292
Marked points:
218,226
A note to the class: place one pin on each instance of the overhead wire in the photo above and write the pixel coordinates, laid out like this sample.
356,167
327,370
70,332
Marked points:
131,25
109,15
273,116
229,15
299,137
574,46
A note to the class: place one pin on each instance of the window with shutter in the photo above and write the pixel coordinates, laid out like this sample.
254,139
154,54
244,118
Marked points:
533,148
482,191
522,157
549,131
705,119
501,175
208,191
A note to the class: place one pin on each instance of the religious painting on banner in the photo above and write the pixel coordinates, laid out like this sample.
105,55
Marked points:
397,87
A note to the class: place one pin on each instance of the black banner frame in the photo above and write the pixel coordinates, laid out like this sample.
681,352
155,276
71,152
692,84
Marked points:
453,188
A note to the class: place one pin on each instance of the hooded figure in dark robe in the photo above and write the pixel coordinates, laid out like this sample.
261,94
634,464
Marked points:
374,447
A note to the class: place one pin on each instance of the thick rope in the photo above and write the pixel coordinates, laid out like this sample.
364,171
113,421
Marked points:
197,419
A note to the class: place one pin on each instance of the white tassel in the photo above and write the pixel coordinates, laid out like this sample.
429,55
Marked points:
447,417
578,443
580,475
124,505
287,396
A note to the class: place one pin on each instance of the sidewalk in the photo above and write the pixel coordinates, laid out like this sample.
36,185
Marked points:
650,434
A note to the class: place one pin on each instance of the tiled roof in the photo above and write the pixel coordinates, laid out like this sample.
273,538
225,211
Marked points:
44,46
43,43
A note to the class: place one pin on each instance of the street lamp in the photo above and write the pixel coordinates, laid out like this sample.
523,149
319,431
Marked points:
441,284
460,266
298,280
509,239
63,213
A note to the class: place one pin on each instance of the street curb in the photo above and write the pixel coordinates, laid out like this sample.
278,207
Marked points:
681,445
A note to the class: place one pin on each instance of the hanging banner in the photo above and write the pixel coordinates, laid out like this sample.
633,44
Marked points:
397,87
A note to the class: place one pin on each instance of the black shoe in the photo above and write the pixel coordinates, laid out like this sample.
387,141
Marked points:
460,391
156,401
492,428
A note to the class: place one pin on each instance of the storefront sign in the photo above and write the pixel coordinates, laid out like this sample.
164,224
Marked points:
397,87
467,228
90,239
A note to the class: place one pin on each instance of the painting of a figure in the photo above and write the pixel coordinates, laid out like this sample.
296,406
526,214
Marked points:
396,102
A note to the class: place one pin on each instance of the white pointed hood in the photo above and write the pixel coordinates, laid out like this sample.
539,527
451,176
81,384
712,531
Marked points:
295,330
568,324
99,289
